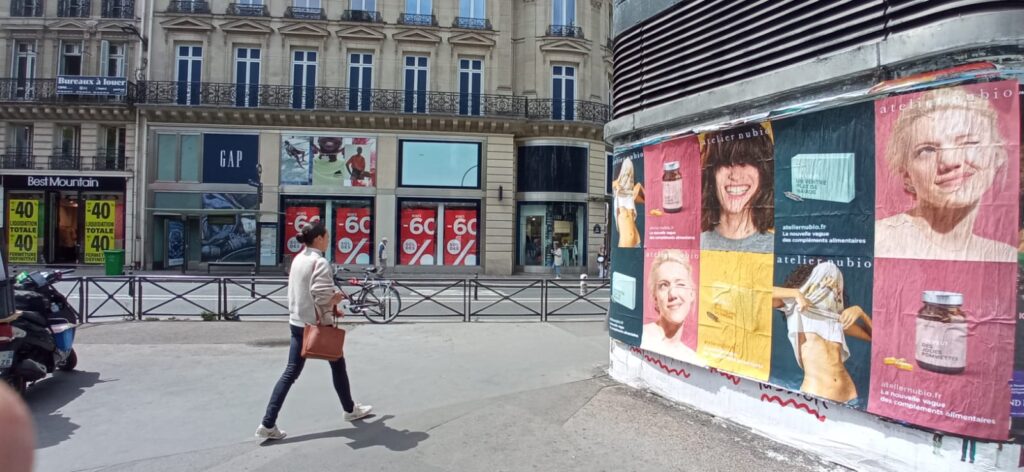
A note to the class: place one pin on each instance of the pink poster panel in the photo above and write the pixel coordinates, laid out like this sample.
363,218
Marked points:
943,344
672,188
670,299
947,174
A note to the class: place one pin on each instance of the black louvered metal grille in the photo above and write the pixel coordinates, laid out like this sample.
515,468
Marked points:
696,46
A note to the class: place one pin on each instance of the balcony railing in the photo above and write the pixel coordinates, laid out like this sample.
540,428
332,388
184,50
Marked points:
188,6
345,99
110,159
363,16
45,91
26,7
248,9
118,9
417,19
17,158
565,31
304,13
65,159
472,23
74,8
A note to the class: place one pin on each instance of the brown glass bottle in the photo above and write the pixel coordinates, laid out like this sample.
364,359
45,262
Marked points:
672,188
941,334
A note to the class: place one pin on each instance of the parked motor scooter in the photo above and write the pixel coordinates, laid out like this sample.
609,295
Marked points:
37,339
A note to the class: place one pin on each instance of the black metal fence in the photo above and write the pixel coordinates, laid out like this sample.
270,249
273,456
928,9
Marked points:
18,158
143,297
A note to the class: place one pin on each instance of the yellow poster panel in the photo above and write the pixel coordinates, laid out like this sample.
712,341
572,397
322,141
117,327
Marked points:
23,231
735,317
99,229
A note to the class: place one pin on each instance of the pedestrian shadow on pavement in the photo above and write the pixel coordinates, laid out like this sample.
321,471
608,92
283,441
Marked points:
46,398
364,434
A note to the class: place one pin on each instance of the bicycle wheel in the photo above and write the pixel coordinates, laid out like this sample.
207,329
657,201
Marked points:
381,304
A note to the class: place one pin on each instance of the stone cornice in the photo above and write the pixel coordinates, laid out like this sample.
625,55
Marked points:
72,112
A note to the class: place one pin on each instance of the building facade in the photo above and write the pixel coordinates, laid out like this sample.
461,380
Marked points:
67,128
468,133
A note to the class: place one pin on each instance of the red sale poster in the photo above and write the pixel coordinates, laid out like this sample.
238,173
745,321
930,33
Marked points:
352,235
460,243
418,236
294,218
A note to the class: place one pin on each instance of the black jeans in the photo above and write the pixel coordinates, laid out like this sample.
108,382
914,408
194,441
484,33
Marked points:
291,373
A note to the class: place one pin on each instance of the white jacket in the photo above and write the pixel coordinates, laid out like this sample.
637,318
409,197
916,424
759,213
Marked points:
310,284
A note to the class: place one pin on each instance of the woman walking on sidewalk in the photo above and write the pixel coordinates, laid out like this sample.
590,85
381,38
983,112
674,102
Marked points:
310,289
556,259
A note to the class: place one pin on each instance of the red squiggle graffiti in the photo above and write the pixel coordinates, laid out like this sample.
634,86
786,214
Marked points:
732,378
790,402
655,361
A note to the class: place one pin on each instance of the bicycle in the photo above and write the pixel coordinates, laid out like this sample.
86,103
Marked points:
377,298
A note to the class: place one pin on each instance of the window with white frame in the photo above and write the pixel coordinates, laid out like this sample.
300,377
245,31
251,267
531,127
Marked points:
304,64
70,58
112,59
470,86
472,9
563,92
364,5
360,81
563,12
247,76
416,72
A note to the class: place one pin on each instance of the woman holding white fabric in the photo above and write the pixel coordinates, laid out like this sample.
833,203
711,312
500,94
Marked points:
818,322
311,290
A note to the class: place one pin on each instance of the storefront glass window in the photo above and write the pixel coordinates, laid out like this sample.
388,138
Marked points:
439,233
439,164
349,224
541,224
167,157
191,158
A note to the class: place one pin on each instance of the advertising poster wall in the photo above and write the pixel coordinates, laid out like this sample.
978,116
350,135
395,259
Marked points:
229,237
460,236
329,161
418,236
625,313
23,221
99,229
175,243
352,243
824,182
672,188
294,218
670,299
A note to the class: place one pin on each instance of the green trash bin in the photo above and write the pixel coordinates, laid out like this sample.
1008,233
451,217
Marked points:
113,261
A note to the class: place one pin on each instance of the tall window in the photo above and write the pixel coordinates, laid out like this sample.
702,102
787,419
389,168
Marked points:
472,8
70,58
418,7
112,59
307,3
65,154
304,79
360,81
111,155
563,12
190,74
364,5
19,152
470,86
415,84
247,77
24,68
563,92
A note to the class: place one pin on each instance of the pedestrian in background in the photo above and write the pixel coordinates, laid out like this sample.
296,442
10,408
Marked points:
311,290
602,259
556,259
382,253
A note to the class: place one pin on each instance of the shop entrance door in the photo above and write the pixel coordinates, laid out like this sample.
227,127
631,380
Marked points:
65,226
534,238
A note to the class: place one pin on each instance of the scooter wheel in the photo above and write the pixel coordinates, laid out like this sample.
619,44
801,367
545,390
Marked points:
70,363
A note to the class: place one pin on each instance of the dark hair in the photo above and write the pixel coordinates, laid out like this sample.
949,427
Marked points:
311,231
748,145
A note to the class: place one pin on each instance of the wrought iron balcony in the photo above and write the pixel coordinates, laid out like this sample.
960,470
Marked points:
303,13
110,159
247,9
565,31
417,20
118,9
26,7
74,8
45,91
65,159
17,158
188,6
362,16
344,99
472,23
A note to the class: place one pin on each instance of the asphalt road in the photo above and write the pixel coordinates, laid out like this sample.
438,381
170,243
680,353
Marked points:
187,396
164,297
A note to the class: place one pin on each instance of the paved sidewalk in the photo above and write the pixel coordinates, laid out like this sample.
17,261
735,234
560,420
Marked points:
448,396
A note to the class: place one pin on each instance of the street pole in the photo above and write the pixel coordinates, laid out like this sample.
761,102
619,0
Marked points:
258,183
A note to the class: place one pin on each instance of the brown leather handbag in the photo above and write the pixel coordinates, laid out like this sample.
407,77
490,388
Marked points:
323,341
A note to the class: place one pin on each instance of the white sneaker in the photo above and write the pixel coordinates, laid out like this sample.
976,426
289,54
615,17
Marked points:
264,432
359,412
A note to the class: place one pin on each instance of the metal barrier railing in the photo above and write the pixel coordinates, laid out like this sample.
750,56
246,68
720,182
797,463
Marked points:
137,297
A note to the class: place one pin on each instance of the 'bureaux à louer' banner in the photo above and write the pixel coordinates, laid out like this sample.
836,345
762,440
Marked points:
864,254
